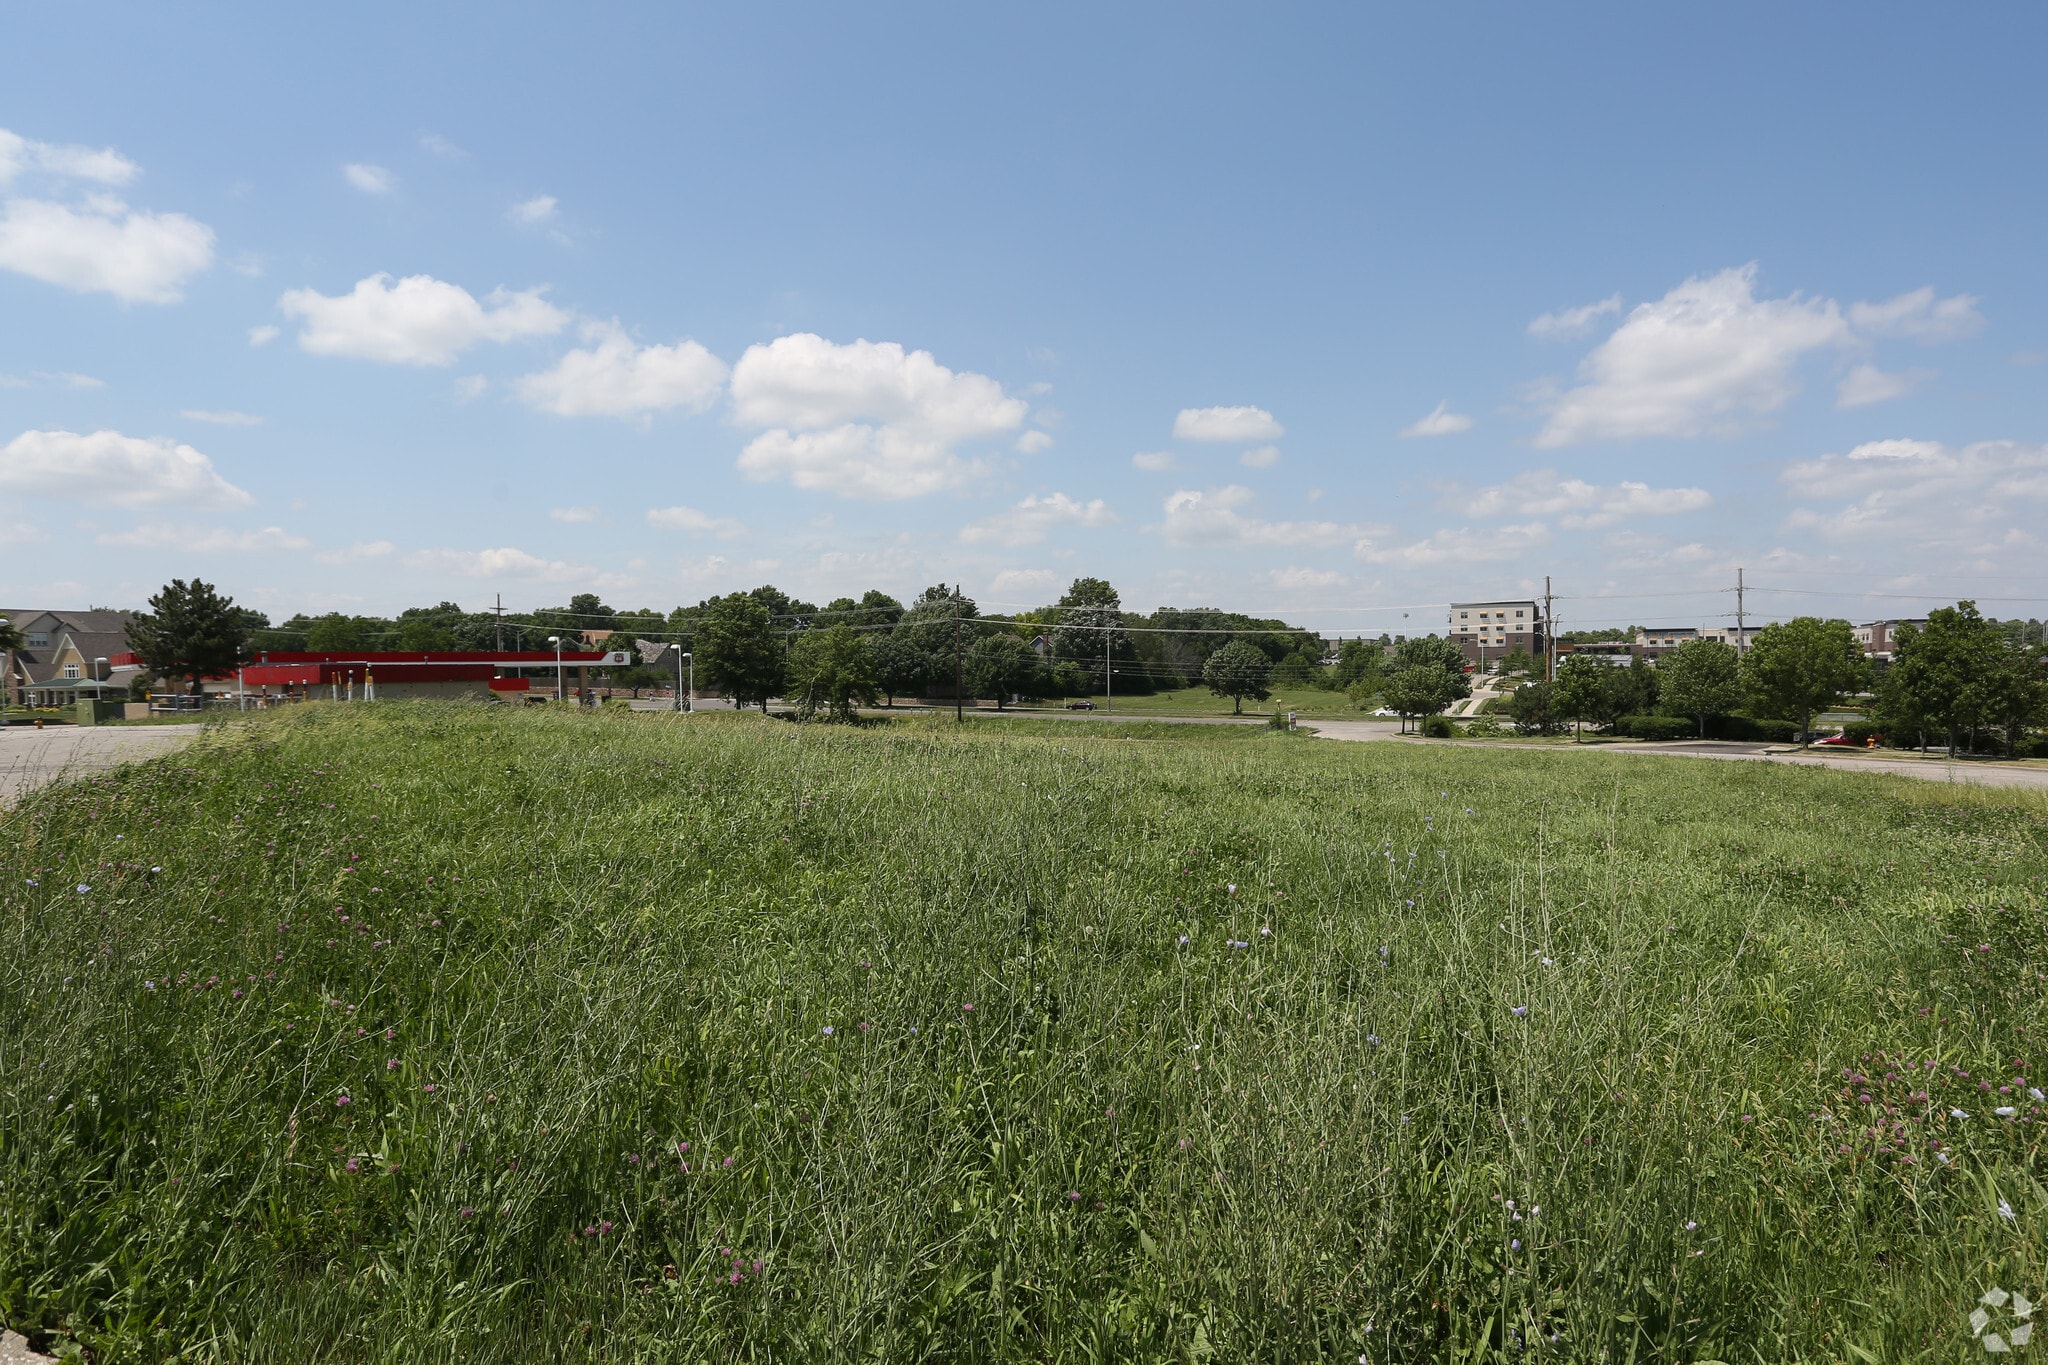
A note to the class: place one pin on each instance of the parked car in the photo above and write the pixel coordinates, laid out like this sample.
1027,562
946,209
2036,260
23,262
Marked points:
1080,706
1387,711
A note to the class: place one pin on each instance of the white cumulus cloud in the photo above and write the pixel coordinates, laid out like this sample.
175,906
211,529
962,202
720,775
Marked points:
121,471
576,516
356,553
263,334
1708,358
1440,422
612,377
20,155
864,420
539,209
92,242
205,539
1299,578
1242,425
1153,461
1461,546
1263,457
1867,384
1920,316
1571,322
418,320
370,179
1024,584
508,562
1579,505
1216,517
1033,442
1031,520
103,246
1919,498
689,519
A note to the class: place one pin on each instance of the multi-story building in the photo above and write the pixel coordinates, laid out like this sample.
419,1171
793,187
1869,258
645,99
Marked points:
1731,637
66,655
1487,630
1654,642
1879,638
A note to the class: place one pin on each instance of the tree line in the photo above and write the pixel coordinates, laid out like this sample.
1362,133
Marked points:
762,643
1962,680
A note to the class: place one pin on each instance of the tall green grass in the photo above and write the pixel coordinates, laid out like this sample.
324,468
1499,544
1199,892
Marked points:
417,1032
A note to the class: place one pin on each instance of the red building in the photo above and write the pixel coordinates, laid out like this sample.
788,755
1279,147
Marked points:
396,674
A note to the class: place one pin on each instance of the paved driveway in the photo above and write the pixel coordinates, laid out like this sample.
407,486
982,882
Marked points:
1970,772
30,757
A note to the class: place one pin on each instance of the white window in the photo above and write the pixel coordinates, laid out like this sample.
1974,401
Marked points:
71,670
38,639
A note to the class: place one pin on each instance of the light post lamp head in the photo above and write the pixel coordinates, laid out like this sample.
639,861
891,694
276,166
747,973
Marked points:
555,640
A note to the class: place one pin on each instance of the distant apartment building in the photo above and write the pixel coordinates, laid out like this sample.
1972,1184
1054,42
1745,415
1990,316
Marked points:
1880,638
1653,643
1730,636
1487,630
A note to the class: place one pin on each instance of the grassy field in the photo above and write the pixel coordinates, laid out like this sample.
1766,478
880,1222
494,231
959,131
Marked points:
417,1032
1200,701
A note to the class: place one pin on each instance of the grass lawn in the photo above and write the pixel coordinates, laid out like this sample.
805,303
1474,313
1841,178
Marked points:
1200,701
429,1032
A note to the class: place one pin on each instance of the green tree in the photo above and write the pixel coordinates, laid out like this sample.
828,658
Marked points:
832,670
1238,670
1700,678
1295,671
1515,661
1091,630
1798,667
1958,675
1426,676
739,652
938,619
999,665
1584,691
1533,708
900,666
190,631
1358,661
338,632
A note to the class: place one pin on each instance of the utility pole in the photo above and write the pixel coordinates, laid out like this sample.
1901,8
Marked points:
1108,687
1549,635
501,622
1741,635
957,709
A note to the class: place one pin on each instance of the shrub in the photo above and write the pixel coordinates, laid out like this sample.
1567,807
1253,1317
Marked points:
1751,730
1656,727
1438,727
1861,732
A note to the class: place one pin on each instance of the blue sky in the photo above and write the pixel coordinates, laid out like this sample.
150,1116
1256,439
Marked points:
1332,312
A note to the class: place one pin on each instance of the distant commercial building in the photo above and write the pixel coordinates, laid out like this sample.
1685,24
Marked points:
1487,630
392,675
1654,643
1880,638
1729,636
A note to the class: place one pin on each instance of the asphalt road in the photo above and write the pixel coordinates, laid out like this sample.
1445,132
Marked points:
30,757
1968,772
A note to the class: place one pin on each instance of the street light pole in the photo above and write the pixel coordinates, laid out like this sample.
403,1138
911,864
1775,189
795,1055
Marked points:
1108,687
556,641
686,701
